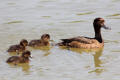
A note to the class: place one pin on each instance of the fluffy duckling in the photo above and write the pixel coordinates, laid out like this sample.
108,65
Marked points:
24,58
44,41
19,47
86,42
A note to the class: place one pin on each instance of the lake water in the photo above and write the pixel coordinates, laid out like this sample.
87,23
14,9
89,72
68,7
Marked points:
30,19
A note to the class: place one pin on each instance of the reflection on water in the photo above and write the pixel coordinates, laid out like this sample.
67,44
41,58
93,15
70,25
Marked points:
115,0
97,61
115,50
85,13
11,3
74,21
43,48
115,41
46,16
47,53
114,18
114,15
97,53
25,67
12,22
46,49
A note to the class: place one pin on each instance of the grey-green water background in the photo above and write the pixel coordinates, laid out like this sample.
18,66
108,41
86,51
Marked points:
30,19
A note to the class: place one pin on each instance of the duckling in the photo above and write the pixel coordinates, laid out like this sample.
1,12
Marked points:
19,47
44,41
86,42
24,58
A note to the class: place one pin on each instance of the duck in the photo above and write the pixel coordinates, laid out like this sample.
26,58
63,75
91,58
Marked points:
86,42
18,47
43,41
24,58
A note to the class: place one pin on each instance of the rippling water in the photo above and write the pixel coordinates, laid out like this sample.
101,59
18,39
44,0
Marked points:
30,19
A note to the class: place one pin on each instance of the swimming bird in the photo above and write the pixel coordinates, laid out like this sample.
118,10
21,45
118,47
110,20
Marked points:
43,41
86,42
19,47
24,58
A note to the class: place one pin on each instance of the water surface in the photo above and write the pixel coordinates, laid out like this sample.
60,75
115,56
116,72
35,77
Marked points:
30,19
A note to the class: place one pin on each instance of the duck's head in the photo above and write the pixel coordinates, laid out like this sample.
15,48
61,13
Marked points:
26,54
99,23
45,37
24,42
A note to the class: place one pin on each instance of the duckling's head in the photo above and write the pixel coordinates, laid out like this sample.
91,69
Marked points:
45,37
99,23
24,42
26,54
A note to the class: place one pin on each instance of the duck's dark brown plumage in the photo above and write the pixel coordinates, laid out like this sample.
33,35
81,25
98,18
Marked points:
44,41
86,42
20,59
19,47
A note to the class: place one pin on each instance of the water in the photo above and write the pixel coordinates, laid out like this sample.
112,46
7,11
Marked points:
30,19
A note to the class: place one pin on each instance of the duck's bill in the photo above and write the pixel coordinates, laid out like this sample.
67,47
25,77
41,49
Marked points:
105,27
31,56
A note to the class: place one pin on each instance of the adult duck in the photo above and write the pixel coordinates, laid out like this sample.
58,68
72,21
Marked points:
86,42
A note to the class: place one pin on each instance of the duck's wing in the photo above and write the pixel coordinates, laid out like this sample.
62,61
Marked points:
33,42
12,59
13,48
80,39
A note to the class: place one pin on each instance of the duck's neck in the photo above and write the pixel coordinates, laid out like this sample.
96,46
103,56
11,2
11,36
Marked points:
45,42
23,47
98,35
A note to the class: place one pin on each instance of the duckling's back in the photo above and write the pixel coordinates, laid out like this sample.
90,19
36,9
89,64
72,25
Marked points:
34,43
13,59
15,48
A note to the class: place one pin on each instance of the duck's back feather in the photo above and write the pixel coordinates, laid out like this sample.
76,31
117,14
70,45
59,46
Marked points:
13,59
80,39
81,42
14,48
34,42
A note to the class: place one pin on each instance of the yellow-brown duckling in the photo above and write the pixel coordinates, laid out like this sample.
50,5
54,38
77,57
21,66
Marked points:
44,41
19,47
24,58
86,42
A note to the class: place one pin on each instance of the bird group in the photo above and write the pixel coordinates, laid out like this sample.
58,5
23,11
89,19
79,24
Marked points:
75,42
